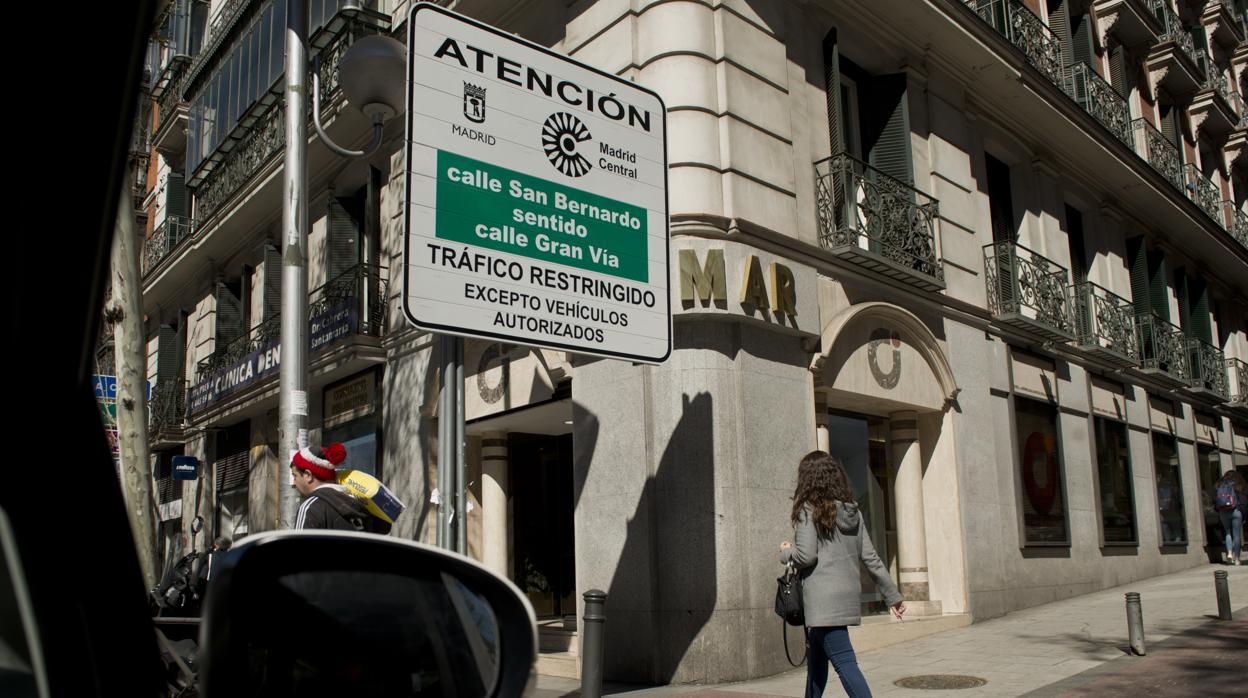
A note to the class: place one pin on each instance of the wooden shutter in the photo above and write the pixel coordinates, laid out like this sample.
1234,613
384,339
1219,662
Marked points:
1118,73
832,90
175,196
167,358
271,293
1200,322
1158,298
1180,293
1081,40
229,316
343,244
1202,48
1137,258
1059,24
1170,125
886,129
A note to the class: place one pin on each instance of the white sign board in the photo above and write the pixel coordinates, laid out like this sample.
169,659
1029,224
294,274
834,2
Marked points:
536,195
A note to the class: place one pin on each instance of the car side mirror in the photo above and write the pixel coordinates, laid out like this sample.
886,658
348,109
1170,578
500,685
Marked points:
329,613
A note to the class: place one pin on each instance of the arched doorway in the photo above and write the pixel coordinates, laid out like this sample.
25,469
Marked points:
883,393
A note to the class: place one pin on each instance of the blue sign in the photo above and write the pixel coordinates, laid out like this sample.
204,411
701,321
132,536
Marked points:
106,387
185,467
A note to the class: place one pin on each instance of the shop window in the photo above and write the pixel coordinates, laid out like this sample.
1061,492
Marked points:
1044,502
352,417
1169,490
1117,498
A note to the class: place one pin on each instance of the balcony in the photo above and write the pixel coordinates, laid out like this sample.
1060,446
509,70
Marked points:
1105,325
351,305
1237,371
1208,367
1028,291
1204,192
1212,112
165,240
172,109
259,139
877,222
1133,22
1237,222
167,413
1100,100
1159,152
1038,44
1174,62
1163,351
1222,23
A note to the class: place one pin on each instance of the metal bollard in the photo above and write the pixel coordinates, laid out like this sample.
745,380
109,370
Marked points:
1224,595
1135,623
592,643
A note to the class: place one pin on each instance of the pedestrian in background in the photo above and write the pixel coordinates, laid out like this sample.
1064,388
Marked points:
831,544
327,504
1232,506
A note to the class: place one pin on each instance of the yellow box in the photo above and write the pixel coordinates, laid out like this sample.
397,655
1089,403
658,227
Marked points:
378,498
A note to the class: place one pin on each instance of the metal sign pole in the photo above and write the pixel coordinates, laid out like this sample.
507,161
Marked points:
446,437
461,471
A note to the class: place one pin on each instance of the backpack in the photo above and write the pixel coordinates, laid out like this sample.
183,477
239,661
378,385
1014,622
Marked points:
1225,499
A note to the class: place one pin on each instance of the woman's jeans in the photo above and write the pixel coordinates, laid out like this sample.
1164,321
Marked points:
1233,523
832,644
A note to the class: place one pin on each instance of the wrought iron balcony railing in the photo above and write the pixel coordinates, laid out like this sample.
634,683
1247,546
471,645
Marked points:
169,89
1236,222
1204,192
1163,349
1238,372
1027,32
354,302
1159,152
877,221
1105,324
167,409
231,353
1172,29
258,143
1236,101
1100,100
1208,366
165,240
363,289
1028,290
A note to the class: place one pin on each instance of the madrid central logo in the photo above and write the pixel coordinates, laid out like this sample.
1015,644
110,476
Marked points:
561,134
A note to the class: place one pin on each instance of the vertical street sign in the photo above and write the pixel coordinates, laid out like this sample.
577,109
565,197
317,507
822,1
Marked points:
536,195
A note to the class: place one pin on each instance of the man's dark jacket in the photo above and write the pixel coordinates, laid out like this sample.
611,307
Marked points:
329,507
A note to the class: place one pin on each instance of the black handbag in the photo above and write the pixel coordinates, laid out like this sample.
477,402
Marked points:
789,607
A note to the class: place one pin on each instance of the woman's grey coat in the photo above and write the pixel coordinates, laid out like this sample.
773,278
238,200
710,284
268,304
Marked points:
831,587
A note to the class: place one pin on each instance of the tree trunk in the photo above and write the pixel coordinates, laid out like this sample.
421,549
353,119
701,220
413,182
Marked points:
127,315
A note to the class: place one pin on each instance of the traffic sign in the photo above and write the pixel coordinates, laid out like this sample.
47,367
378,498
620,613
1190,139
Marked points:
536,195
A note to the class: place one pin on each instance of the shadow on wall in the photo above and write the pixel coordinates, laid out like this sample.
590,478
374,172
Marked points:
663,589
407,426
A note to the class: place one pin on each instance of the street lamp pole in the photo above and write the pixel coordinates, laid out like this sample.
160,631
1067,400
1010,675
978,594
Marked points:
293,402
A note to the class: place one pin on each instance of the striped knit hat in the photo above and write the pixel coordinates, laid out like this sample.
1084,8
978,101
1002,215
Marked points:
321,467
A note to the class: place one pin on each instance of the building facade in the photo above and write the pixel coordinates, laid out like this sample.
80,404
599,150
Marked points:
992,254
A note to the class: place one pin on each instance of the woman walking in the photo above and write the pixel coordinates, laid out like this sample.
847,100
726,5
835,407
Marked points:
1231,502
831,542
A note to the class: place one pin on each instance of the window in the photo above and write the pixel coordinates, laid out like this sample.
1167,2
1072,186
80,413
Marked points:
1149,284
1044,502
1169,490
1078,248
1000,199
1117,498
232,468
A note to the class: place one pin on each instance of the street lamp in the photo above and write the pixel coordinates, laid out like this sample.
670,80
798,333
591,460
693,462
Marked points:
371,82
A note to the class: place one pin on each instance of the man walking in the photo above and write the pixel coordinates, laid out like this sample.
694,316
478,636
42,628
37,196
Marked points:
326,504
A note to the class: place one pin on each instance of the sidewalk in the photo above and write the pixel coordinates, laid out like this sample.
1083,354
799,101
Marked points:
1076,647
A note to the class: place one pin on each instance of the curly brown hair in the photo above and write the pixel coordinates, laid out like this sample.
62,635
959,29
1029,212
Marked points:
821,483
1236,480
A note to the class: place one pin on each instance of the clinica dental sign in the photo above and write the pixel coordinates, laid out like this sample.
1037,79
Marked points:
536,195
